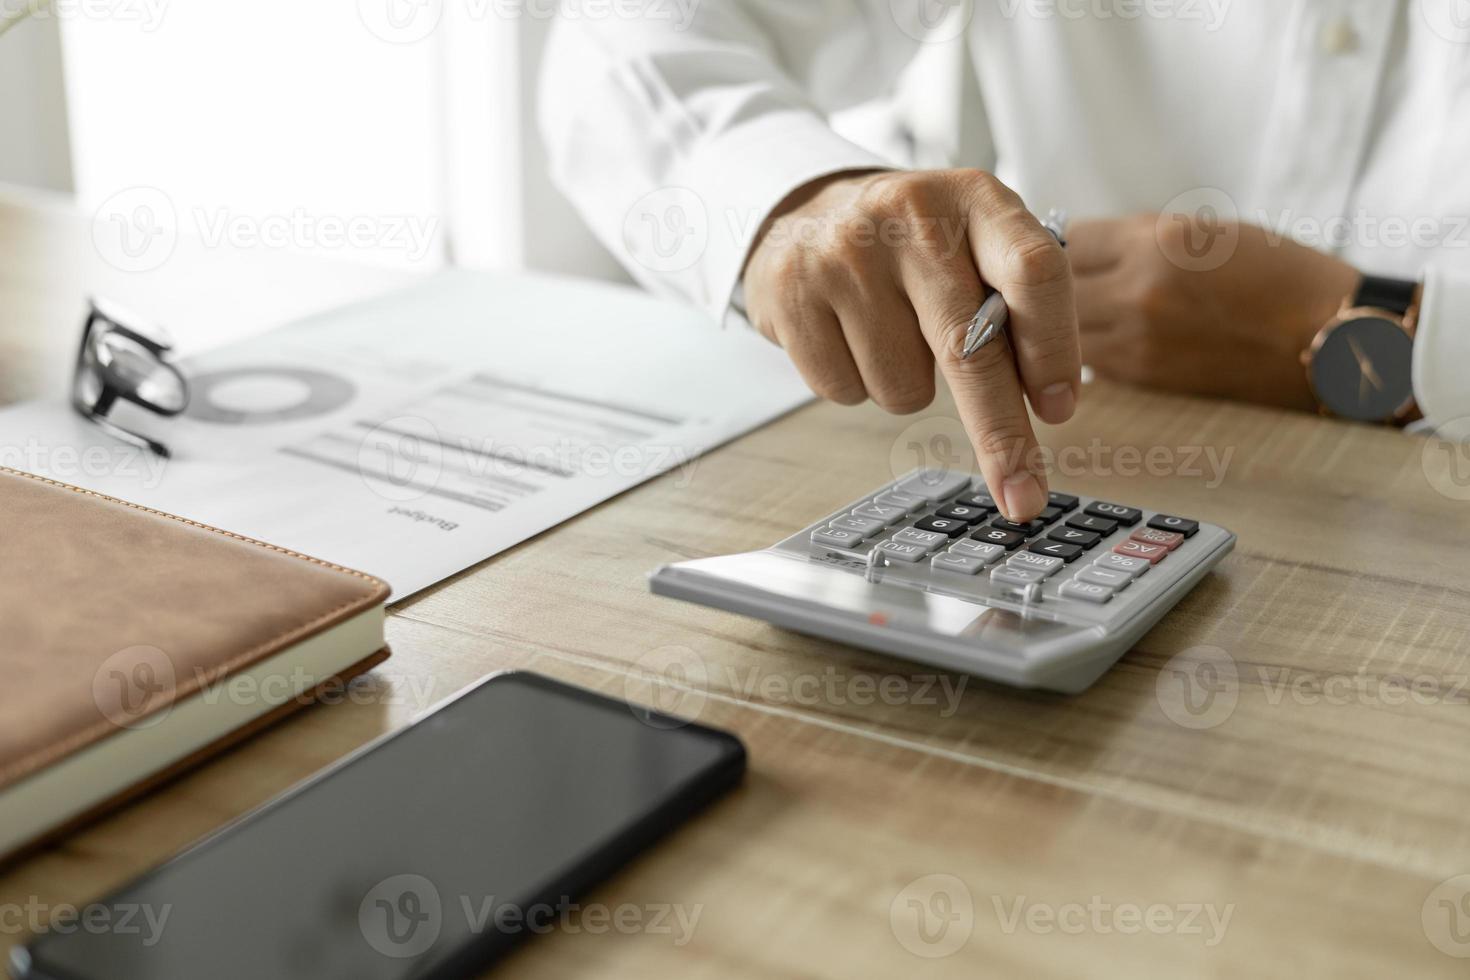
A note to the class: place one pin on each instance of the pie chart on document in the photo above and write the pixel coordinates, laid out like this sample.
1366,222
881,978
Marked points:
266,395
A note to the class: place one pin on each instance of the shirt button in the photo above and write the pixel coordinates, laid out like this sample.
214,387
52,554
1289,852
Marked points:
1339,37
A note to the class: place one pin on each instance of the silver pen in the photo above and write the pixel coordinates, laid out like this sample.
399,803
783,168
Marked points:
989,323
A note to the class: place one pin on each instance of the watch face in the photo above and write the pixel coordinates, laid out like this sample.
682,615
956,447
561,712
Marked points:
1364,369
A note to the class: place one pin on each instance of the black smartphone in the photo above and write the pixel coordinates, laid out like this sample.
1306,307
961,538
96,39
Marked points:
428,853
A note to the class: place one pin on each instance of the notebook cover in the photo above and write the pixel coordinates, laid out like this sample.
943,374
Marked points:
93,588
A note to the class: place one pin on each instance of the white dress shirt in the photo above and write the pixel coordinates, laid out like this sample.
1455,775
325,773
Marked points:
676,126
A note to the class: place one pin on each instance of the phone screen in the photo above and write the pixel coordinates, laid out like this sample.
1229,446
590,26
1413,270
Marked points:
426,855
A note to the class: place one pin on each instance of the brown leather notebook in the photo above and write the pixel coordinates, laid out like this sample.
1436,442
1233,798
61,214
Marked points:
135,644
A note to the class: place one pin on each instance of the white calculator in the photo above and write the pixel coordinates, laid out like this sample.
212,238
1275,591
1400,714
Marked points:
926,569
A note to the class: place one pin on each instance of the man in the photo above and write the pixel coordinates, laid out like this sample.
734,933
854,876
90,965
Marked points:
1240,168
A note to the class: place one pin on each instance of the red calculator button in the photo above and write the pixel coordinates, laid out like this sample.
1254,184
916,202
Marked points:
1168,540
1153,553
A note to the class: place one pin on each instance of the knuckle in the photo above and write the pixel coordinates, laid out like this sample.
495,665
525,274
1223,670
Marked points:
905,396
1037,262
843,391
1002,439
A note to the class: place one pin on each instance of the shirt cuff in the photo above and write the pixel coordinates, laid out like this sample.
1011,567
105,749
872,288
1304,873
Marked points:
744,173
1442,354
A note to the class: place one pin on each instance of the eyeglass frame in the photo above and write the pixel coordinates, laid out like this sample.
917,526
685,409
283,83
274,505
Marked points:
109,391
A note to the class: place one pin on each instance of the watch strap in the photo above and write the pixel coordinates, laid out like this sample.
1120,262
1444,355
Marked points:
1383,293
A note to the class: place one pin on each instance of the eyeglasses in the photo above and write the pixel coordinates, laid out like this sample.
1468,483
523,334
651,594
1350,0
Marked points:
129,363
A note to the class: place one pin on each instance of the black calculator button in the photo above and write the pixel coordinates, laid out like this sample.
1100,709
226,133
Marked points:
1050,514
994,535
1072,535
984,501
1056,549
1097,525
1029,530
1062,501
961,512
943,525
1127,516
1176,524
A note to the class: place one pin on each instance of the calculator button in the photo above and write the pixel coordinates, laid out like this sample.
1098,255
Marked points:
1062,501
1029,530
1097,525
947,526
836,537
1050,514
1164,522
1137,549
866,526
995,535
960,564
1056,549
910,502
987,553
1086,591
1168,540
880,512
1098,575
928,540
1033,562
1127,516
1113,561
900,551
960,512
1072,535
982,500
934,484
1019,577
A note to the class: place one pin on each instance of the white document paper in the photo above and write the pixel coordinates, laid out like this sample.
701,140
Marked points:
415,435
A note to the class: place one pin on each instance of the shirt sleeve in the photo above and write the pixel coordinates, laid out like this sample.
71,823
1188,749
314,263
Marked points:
1442,353
675,136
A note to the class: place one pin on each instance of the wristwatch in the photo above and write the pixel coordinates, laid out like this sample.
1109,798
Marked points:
1361,364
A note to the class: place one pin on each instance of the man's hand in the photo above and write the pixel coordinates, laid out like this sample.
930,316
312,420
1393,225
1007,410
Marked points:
1233,331
868,280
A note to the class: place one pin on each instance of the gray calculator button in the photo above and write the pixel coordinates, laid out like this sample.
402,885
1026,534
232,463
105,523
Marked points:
898,498
951,562
987,553
898,551
1011,575
1133,567
934,484
836,537
928,540
1045,564
1114,580
1086,591
866,526
880,512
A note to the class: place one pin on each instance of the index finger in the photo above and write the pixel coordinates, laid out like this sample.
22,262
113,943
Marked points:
1017,256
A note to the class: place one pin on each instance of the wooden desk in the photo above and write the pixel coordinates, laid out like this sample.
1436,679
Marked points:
1323,802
